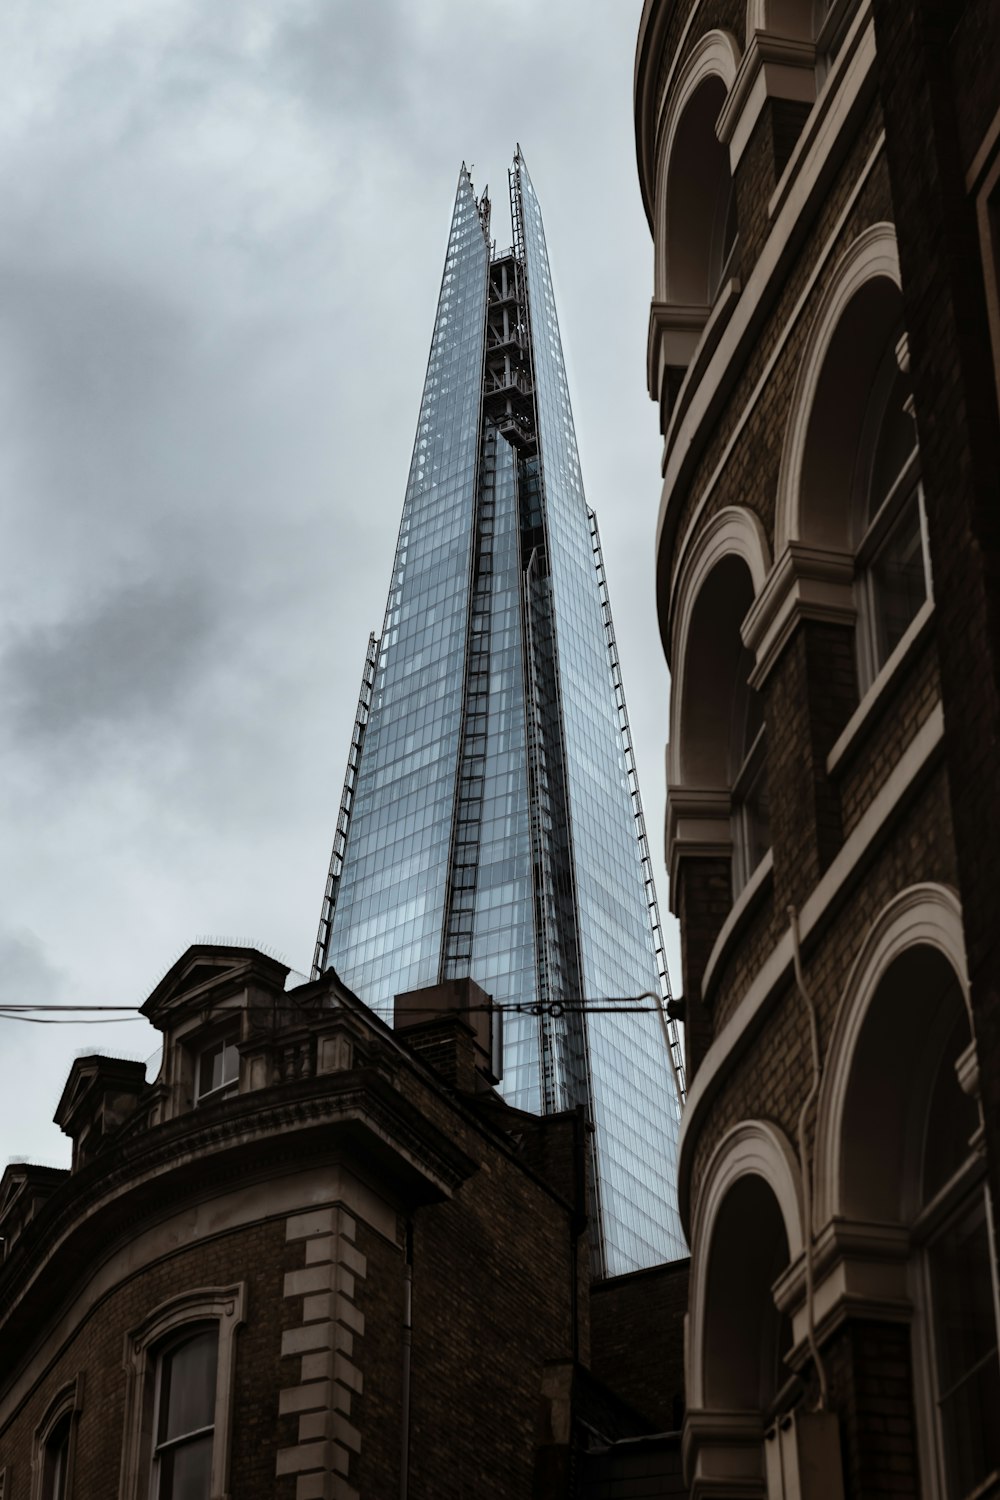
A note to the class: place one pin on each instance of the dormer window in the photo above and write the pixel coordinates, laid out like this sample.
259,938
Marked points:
218,1067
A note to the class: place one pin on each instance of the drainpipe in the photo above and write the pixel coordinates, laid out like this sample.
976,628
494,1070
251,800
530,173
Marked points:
404,1405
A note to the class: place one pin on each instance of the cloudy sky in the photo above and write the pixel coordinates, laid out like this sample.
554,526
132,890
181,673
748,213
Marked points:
221,236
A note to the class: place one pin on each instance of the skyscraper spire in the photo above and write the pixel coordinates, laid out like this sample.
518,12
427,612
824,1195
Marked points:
490,823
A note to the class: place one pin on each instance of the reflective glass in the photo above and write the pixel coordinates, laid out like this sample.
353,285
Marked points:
492,831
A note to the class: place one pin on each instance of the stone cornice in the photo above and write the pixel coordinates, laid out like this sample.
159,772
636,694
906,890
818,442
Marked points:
356,1115
772,67
698,826
806,583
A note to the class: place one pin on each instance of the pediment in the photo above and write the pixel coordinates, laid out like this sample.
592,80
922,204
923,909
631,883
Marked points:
207,967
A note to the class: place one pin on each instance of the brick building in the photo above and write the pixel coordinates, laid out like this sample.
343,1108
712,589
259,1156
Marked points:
824,347
315,1257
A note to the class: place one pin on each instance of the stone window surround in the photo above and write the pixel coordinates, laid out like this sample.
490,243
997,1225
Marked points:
868,1270
728,1445
771,980
699,817
817,154
223,1306
67,1401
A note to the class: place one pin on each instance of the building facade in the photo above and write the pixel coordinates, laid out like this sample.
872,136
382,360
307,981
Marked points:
490,824
824,348
315,1257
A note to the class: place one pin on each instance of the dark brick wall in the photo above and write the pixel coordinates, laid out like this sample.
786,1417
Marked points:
940,86
637,1333
253,1255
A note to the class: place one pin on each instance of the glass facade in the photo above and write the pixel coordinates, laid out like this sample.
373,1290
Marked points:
489,826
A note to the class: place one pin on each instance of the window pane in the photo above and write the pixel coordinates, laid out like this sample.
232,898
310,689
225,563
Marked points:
187,1391
56,1457
186,1471
968,1373
218,1065
898,582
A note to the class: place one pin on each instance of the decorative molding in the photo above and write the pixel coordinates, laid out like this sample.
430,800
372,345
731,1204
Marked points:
221,1305
67,1402
752,1148
860,1270
772,67
872,256
856,730
746,903
716,54
928,915
730,1443
674,334
850,75
846,94
734,531
325,1344
806,583
872,829
698,826
719,315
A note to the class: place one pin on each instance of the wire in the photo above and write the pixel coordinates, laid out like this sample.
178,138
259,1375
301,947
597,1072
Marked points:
73,1015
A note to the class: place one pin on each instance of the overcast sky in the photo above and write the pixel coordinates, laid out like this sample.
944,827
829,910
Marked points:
222,229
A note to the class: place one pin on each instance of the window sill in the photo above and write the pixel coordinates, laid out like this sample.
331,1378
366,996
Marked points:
859,725
743,907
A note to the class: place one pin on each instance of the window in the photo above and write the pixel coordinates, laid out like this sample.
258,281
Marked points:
218,1067
179,1367
55,1460
748,778
965,1347
184,1417
55,1441
892,566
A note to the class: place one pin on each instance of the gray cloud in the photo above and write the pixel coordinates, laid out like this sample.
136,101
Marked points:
27,974
128,656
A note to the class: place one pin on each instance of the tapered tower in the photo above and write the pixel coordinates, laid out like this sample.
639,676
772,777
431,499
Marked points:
490,824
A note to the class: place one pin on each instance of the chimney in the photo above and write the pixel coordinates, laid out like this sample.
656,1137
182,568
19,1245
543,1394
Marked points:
451,1026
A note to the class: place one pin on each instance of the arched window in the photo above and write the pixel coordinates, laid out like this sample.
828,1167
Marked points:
893,566
747,1231
909,1156
746,1337
55,1444
184,1416
55,1460
721,719
849,483
700,203
180,1365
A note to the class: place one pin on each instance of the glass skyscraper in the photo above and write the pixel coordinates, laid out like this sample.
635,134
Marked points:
490,824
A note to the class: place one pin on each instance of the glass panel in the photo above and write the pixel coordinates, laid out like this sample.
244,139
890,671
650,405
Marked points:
897,578
492,831
389,918
968,1372
187,1386
632,1093
56,1460
186,1471
218,1065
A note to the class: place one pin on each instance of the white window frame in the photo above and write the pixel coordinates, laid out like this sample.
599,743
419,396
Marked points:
68,1402
224,1040
220,1305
